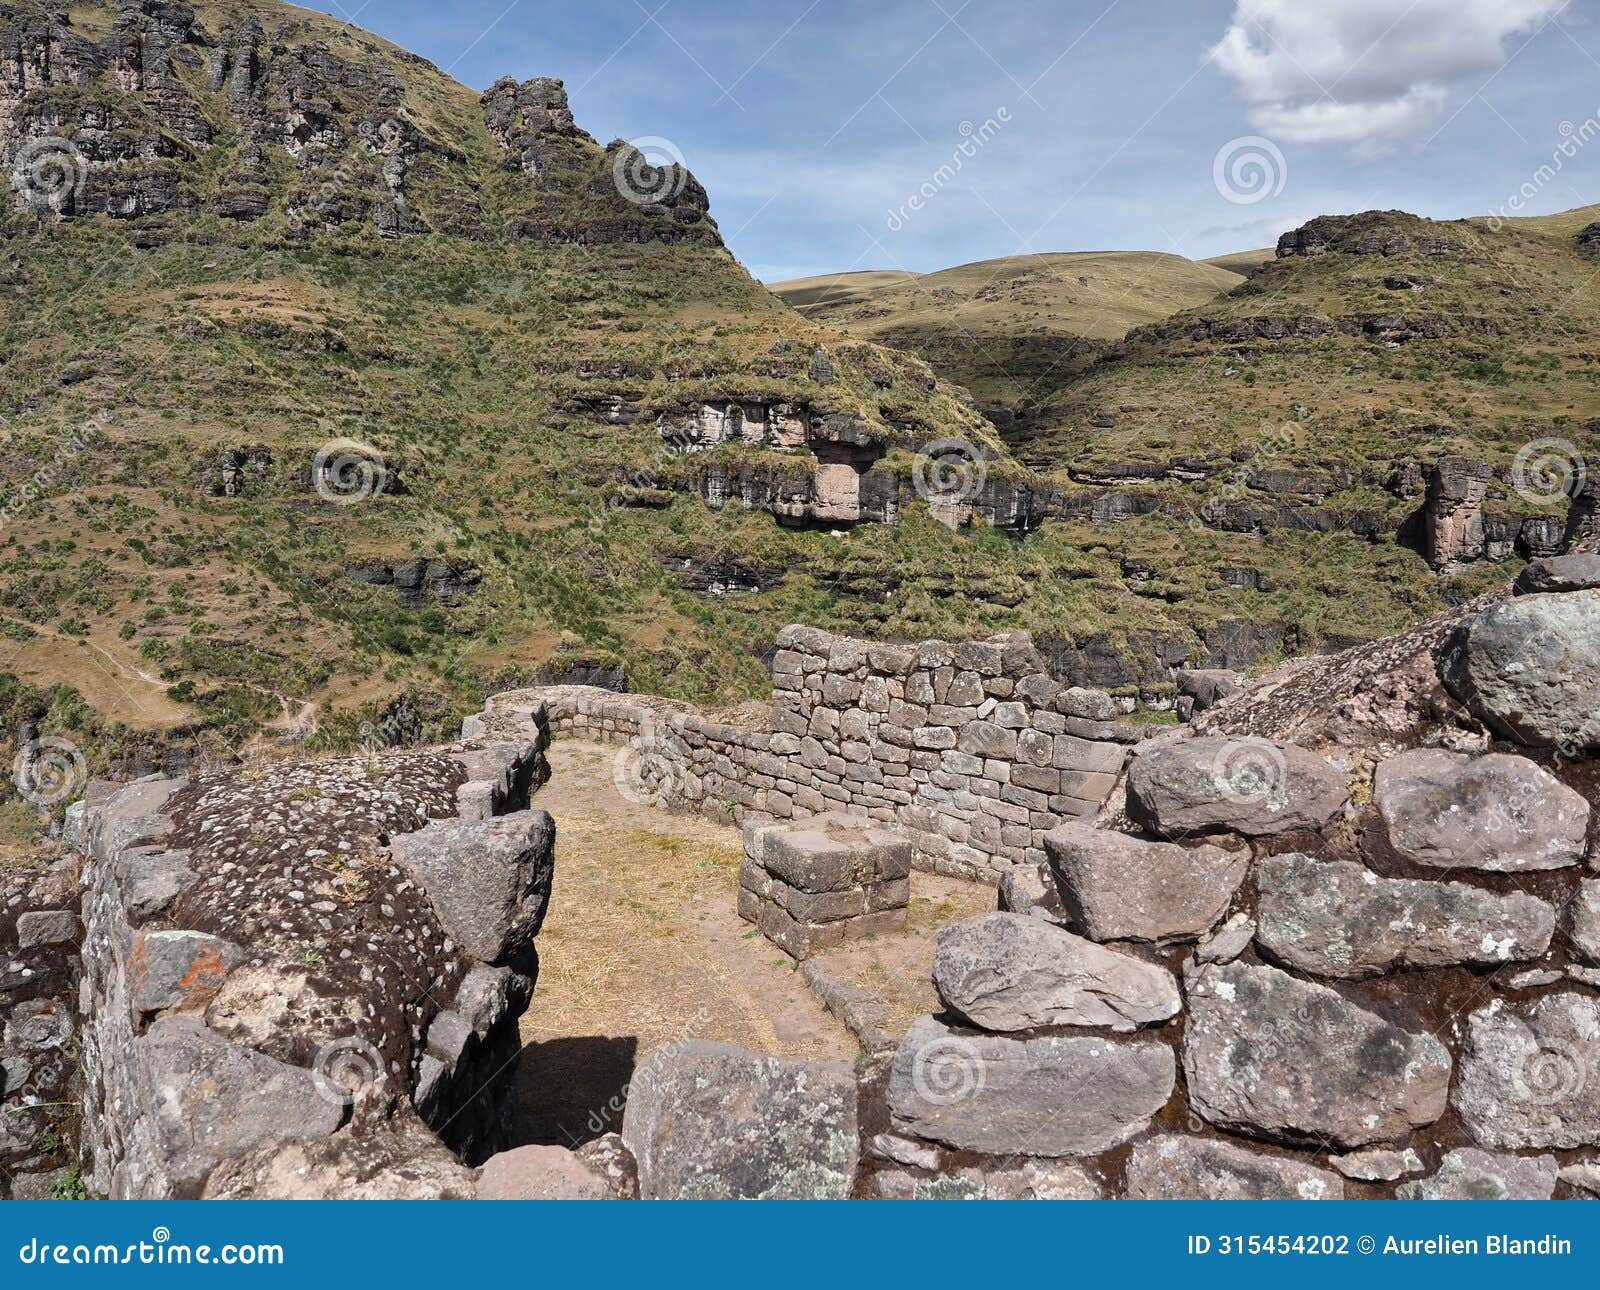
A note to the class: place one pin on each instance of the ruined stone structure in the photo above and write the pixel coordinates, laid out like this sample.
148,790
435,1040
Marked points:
972,748
1355,903
823,881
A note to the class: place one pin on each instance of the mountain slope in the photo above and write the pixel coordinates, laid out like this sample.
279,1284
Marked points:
328,381
337,395
1004,328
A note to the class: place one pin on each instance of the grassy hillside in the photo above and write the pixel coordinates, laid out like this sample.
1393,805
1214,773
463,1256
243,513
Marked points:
335,397
1003,328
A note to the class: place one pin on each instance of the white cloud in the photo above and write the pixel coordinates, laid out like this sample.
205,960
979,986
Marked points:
1360,71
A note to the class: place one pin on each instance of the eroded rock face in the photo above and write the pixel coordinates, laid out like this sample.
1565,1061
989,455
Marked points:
1498,813
1256,787
1341,920
1120,888
1470,1174
1530,668
1453,515
1056,1096
1007,972
1173,1167
1270,1055
1530,1073
709,1121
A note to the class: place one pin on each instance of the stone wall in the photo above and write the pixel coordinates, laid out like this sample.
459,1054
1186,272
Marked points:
303,979
972,748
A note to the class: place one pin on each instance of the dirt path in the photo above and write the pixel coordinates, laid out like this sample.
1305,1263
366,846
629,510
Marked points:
642,946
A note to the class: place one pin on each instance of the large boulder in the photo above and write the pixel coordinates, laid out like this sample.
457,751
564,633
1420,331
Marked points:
1174,1167
1530,668
709,1121
1340,919
1058,1096
396,1159
1559,573
1470,1174
1243,785
1528,1073
1273,1056
1115,887
1500,813
208,1100
1011,972
488,880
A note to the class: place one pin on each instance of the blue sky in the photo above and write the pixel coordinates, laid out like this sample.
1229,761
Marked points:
1198,127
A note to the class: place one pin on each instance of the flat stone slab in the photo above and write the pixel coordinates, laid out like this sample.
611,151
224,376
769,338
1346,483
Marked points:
1470,1174
1270,1055
1217,783
1005,972
1530,1073
1499,813
830,852
1174,1167
1115,887
709,1121
1340,919
1056,1096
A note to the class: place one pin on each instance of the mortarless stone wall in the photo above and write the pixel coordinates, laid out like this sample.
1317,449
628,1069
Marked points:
972,748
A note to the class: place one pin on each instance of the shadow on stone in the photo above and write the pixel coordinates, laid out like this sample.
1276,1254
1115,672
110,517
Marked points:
572,1090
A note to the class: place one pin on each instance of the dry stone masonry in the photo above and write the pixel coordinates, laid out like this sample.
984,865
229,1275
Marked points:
1338,938
971,749
823,881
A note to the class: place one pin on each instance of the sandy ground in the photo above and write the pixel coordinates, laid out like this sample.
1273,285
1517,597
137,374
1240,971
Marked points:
642,946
